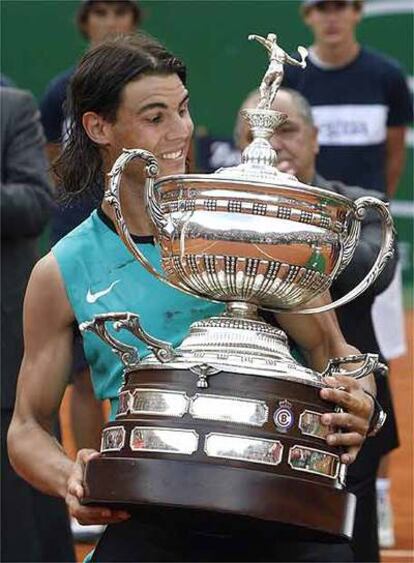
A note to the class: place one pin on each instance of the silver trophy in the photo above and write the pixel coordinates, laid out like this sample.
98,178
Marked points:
229,419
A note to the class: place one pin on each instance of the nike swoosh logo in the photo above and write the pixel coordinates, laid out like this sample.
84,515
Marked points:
93,297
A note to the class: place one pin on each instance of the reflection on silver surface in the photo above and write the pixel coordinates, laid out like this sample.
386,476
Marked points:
155,401
238,345
113,439
229,409
124,403
311,425
310,460
172,440
254,450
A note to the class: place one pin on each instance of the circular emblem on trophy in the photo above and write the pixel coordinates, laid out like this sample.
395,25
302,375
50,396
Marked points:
283,416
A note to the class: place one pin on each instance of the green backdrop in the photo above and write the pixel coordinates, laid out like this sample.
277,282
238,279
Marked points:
39,39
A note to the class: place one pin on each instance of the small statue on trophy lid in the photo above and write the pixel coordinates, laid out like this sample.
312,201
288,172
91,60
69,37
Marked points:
262,120
274,75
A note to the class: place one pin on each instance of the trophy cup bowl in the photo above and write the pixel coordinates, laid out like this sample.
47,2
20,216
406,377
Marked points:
229,423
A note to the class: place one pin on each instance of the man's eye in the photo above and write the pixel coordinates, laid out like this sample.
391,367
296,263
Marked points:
183,111
155,118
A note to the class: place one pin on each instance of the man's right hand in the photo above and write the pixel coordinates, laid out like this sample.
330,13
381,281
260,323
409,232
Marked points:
87,515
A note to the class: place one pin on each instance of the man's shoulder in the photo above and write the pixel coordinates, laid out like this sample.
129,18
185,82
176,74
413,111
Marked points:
58,85
352,192
16,98
17,107
292,75
376,60
79,236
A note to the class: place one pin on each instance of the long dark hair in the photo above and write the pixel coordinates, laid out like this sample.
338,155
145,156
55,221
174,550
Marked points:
97,86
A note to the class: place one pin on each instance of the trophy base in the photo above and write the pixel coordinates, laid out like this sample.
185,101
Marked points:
241,448
216,497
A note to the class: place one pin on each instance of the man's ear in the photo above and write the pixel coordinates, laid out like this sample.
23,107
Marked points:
97,128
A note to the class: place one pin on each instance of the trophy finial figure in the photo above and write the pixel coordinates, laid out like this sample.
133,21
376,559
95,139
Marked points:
274,75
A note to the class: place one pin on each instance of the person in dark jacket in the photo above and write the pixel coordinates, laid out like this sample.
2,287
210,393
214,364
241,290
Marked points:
297,146
34,527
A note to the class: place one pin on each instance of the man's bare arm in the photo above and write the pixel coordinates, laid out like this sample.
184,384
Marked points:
33,450
395,158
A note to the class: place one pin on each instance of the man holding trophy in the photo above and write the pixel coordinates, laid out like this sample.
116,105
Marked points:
221,434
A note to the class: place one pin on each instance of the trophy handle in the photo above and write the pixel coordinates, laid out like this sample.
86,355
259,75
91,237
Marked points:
129,355
112,196
386,251
162,224
370,363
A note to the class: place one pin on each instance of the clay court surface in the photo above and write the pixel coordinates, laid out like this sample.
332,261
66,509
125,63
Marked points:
402,467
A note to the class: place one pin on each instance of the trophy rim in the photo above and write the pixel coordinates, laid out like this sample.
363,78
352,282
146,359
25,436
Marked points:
217,180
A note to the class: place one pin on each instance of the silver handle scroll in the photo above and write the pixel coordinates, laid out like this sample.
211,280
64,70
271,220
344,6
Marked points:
128,354
386,251
369,364
112,197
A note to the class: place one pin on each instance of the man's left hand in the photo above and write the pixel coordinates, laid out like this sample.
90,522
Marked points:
350,427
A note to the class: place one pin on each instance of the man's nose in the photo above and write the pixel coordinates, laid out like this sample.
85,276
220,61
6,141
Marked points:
111,22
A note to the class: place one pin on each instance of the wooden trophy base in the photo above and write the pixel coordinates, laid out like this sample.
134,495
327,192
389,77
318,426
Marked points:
289,477
217,498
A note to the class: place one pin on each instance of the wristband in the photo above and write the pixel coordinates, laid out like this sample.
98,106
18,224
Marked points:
378,418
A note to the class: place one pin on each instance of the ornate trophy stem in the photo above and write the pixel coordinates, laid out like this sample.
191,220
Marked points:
241,310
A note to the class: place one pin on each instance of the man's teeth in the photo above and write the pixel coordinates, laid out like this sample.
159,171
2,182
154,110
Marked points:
172,155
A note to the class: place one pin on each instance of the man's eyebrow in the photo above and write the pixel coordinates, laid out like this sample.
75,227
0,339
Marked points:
152,106
161,105
185,99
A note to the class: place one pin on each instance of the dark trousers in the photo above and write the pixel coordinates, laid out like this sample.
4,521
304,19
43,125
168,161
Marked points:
365,544
34,527
135,541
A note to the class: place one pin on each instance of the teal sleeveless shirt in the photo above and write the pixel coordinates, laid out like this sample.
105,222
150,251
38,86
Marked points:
101,276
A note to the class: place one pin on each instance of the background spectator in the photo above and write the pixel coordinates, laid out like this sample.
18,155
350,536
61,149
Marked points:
297,147
34,527
362,106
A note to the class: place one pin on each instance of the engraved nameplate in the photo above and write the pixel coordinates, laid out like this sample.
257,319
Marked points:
171,440
113,439
229,409
124,403
310,460
310,424
160,402
254,450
